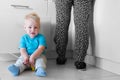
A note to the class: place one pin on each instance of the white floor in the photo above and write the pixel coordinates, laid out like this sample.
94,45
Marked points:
59,72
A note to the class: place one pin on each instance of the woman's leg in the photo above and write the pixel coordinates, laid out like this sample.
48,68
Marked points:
63,14
81,16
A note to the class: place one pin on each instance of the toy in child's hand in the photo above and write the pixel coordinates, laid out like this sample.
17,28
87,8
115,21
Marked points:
33,68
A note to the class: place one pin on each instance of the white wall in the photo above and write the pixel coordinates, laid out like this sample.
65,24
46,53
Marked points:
107,29
107,34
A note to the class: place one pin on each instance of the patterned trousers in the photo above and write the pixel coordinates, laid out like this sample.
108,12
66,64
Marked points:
81,12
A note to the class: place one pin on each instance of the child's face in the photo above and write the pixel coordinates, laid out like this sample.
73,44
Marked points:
31,27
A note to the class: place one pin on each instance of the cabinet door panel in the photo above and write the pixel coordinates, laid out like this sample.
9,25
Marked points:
12,21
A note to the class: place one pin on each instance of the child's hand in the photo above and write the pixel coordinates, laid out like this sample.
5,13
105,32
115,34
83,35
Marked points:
26,61
31,61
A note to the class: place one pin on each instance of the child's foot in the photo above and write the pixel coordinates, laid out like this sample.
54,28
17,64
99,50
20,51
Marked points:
14,70
41,72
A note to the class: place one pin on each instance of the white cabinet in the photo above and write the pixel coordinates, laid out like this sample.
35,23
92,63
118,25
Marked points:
39,6
12,21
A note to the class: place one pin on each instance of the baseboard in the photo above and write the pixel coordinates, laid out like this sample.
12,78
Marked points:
49,54
8,56
90,60
108,65
105,64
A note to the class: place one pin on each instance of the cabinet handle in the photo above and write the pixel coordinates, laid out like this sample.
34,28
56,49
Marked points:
21,7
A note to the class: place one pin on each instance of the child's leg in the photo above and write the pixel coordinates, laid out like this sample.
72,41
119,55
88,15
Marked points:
20,64
14,69
63,15
18,67
40,66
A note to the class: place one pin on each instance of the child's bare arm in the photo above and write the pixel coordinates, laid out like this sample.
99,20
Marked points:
36,54
25,55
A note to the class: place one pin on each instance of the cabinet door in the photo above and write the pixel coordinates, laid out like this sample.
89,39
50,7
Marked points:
12,21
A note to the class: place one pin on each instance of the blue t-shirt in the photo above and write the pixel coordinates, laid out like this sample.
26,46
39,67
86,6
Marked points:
31,44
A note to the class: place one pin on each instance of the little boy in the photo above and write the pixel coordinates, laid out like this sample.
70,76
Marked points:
32,48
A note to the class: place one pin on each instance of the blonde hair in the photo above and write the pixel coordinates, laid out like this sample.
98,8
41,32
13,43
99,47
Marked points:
33,16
